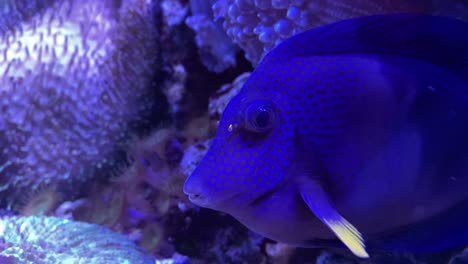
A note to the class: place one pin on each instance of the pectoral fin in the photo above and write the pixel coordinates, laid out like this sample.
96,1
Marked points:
316,199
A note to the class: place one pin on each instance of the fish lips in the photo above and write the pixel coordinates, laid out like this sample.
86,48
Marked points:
206,198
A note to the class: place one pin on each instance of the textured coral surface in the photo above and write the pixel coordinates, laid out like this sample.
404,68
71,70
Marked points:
259,25
13,12
72,77
51,240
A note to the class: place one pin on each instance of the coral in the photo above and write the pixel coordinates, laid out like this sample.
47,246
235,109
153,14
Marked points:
41,201
13,12
175,259
280,253
67,208
198,129
174,87
231,247
193,155
138,200
327,258
72,79
214,238
50,240
156,158
222,97
174,12
151,236
462,258
259,25
217,51
104,207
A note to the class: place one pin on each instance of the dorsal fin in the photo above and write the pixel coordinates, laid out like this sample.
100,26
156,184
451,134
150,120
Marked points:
438,40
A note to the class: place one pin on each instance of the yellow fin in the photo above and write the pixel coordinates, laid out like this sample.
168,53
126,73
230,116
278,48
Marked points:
317,201
349,235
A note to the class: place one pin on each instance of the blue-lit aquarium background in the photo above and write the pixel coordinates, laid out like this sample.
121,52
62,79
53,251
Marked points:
107,106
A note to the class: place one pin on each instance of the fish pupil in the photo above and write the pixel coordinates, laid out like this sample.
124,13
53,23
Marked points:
259,117
263,118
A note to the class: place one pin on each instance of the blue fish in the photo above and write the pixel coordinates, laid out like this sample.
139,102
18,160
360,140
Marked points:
354,134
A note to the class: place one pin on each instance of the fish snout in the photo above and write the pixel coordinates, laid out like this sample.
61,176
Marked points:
195,193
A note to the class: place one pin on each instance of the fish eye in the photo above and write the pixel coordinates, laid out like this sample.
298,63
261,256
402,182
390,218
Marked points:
260,117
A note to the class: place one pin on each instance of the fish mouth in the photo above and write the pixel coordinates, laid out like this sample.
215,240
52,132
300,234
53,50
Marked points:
204,201
207,201
197,199
193,197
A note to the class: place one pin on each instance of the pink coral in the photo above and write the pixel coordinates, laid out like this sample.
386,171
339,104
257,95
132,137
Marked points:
50,240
